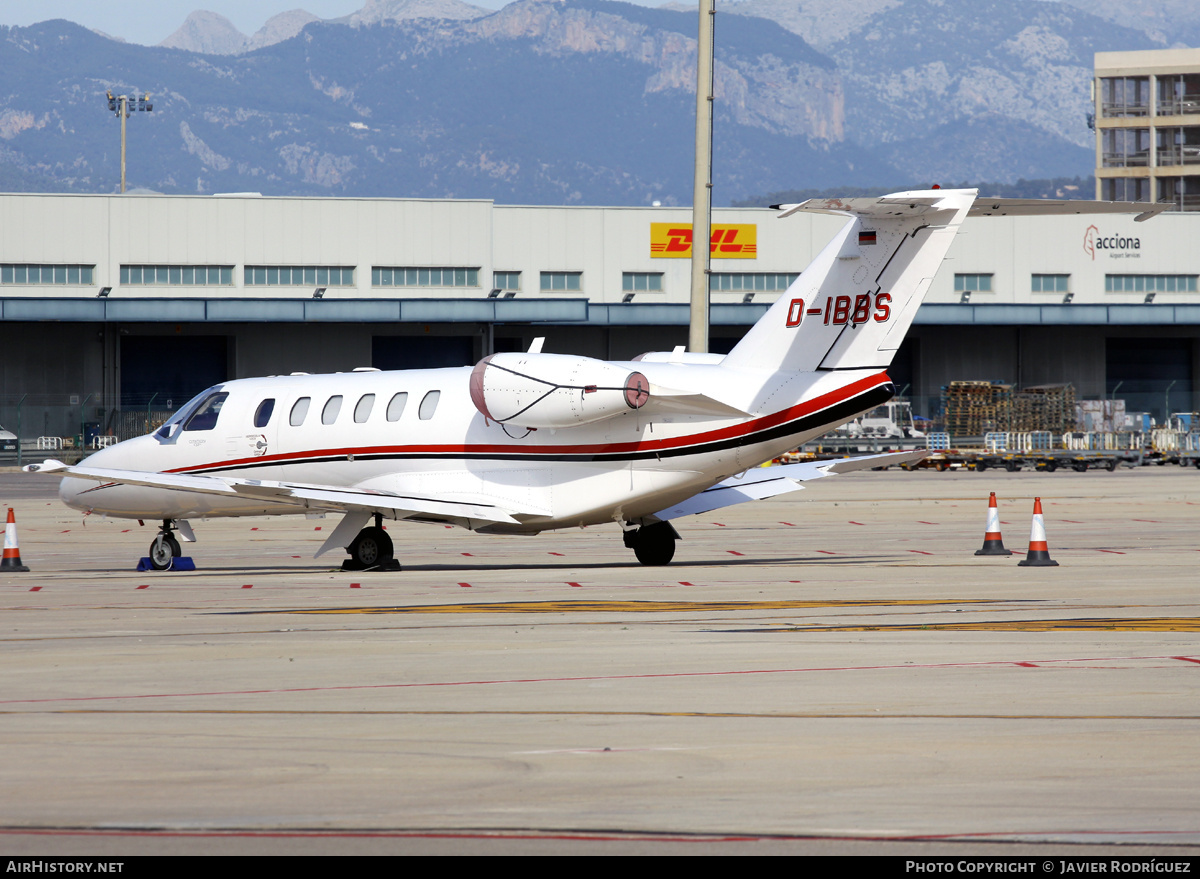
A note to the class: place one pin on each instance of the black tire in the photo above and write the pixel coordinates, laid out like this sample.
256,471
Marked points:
655,552
163,552
1112,465
1051,466
371,547
653,544
980,466
1012,466
1079,467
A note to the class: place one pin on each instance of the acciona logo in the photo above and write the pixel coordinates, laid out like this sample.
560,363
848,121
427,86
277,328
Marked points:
1116,246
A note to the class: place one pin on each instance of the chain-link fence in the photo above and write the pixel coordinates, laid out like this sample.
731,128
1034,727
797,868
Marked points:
70,426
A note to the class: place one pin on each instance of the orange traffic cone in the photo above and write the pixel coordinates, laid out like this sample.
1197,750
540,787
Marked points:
12,555
993,543
1039,555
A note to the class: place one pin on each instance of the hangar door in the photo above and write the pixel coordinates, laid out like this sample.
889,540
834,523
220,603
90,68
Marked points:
1150,374
422,352
175,368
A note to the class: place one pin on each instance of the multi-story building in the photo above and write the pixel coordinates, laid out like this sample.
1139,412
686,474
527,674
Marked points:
1147,111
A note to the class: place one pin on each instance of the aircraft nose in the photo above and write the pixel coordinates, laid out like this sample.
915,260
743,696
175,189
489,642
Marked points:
71,488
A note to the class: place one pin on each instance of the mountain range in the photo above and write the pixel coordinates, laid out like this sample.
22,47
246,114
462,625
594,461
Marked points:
572,101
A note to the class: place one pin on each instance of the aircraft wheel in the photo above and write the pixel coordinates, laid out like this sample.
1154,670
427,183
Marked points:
653,544
371,547
163,552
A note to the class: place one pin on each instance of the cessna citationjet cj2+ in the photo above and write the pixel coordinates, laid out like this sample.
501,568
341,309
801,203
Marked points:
529,442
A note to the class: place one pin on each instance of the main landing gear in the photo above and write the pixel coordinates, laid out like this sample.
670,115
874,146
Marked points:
165,548
653,544
371,550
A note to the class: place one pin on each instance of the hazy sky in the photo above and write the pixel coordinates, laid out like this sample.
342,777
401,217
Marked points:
151,21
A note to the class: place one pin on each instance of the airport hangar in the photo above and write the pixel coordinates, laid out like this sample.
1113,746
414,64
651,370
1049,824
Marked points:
129,301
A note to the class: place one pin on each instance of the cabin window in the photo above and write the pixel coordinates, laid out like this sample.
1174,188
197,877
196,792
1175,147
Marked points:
332,407
205,416
262,415
363,410
429,405
299,411
396,406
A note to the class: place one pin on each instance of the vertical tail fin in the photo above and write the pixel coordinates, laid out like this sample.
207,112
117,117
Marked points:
851,308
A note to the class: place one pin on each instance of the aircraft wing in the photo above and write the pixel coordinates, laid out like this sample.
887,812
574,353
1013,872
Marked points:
325,498
764,482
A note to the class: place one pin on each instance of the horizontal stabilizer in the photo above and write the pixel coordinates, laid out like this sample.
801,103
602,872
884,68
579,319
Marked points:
764,482
1045,207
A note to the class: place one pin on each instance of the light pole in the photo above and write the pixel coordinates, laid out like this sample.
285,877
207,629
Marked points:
123,105
702,184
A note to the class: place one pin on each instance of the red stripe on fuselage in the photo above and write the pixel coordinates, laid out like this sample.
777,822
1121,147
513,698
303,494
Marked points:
746,428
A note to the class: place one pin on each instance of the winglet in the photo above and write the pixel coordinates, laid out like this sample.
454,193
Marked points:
50,465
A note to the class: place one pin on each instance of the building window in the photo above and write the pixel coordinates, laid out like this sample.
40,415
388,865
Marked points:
299,276
1183,193
972,283
1051,284
1150,283
1126,147
1179,94
1126,189
750,282
177,276
45,275
506,281
556,282
642,282
393,276
1178,146
1124,96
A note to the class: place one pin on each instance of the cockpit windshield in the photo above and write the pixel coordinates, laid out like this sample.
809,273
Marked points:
185,412
205,416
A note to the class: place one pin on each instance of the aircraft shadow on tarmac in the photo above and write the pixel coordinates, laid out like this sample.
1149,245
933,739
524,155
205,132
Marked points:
469,566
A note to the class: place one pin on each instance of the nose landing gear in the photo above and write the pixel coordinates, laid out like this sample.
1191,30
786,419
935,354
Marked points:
165,548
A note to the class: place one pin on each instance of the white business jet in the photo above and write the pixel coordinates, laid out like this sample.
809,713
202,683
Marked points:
529,442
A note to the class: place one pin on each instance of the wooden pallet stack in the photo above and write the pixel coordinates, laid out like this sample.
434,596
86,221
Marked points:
973,408
1044,407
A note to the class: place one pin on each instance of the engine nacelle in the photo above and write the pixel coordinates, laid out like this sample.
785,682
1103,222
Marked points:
554,390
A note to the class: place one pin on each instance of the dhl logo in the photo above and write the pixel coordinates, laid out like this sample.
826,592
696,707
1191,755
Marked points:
738,241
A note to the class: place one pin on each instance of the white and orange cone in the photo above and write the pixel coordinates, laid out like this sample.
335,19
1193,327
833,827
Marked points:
1039,555
993,543
12,554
